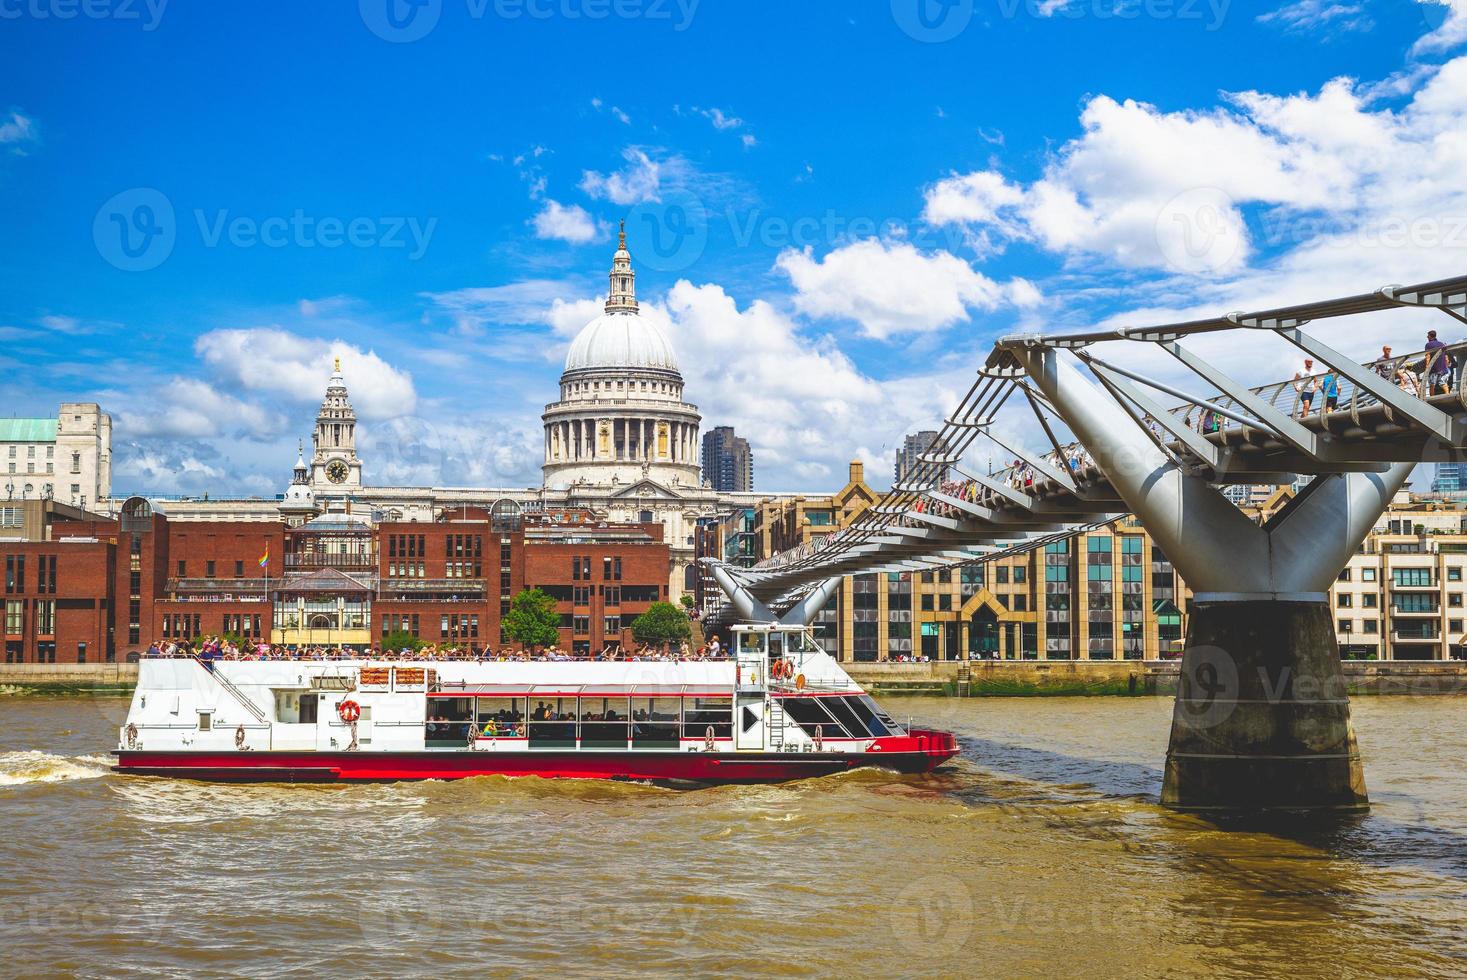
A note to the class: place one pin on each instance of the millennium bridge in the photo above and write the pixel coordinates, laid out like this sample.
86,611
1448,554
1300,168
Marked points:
1261,718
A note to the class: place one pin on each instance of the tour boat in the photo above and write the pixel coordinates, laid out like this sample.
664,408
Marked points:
779,708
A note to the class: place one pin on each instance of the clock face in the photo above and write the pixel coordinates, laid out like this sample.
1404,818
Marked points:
337,471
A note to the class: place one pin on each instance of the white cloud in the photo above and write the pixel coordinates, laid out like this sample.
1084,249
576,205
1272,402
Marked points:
270,360
187,408
639,181
805,406
568,223
1148,189
1305,15
891,288
474,308
17,130
1450,30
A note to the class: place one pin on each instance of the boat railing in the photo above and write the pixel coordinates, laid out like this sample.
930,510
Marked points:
234,692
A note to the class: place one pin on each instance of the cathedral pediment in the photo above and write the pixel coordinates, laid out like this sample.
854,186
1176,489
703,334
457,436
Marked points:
644,489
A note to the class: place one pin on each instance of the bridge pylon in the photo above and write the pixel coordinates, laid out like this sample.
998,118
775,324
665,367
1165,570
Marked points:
1261,720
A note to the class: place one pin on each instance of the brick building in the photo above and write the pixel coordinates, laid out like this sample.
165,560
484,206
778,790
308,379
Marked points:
83,588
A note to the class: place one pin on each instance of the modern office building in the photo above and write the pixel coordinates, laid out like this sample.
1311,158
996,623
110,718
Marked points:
910,453
728,462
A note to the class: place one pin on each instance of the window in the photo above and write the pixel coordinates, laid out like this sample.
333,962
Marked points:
1344,575
1369,600
208,569
14,573
182,568
14,617
1413,576
1454,573
239,569
1344,626
1454,625
1367,575
1369,625
1345,600
1001,575
1454,600
927,602
46,617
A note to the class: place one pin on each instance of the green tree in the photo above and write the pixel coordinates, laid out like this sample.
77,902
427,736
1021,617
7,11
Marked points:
400,640
532,619
662,623
687,600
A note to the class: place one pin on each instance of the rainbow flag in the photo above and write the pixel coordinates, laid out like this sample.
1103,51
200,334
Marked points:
265,558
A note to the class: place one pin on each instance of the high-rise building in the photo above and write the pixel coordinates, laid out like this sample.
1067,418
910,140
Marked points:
909,457
1449,478
728,462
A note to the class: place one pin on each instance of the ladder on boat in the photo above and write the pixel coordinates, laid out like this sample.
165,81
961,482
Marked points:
776,724
234,692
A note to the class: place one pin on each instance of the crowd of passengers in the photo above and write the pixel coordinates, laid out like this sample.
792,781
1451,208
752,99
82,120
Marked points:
510,722
221,648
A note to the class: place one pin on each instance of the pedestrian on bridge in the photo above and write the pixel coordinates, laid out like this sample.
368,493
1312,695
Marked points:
1305,383
1438,365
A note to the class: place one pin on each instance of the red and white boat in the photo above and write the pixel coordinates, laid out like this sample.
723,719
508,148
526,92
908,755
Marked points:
779,709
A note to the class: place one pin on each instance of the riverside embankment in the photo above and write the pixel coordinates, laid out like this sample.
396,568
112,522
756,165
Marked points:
979,678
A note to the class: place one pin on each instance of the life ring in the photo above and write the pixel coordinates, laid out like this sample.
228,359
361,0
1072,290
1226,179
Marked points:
132,735
800,682
708,740
349,710
239,737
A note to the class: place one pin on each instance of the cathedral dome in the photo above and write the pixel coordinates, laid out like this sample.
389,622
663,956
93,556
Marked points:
620,339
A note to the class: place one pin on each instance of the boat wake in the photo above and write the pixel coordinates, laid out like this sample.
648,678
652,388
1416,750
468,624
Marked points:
22,768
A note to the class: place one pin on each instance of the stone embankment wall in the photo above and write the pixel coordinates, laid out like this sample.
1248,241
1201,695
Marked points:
979,679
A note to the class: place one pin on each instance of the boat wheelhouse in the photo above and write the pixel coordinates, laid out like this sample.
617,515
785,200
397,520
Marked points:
778,708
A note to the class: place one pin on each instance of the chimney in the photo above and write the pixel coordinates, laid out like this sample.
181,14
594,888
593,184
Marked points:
858,471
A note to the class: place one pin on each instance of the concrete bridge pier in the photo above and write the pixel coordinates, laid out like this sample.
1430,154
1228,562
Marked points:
1261,720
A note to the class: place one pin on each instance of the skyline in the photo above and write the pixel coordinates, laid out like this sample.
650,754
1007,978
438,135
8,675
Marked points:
335,192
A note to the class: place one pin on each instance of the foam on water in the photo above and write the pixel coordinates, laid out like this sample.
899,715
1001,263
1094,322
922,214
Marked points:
22,768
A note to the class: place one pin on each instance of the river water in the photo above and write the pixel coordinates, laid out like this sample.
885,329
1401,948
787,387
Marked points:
1040,851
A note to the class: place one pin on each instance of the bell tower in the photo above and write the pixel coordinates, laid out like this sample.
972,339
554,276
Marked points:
334,464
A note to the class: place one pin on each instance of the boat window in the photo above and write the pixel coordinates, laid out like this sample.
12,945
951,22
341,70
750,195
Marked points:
868,717
449,722
881,713
655,723
810,715
699,714
309,704
751,642
500,717
604,723
801,641
553,723
847,717
206,721
776,645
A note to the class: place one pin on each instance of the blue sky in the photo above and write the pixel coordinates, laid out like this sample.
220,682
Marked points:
834,207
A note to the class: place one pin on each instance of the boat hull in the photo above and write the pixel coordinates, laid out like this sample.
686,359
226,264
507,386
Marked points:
925,754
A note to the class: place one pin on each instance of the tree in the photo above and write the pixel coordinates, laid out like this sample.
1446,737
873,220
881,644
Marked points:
687,600
400,640
532,620
662,623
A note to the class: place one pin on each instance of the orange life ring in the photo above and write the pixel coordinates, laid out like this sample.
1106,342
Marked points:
349,711
787,669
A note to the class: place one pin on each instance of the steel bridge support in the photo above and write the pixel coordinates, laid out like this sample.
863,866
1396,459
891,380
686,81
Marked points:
1262,720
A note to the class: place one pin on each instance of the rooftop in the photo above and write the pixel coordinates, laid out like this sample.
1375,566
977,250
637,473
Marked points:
27,430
